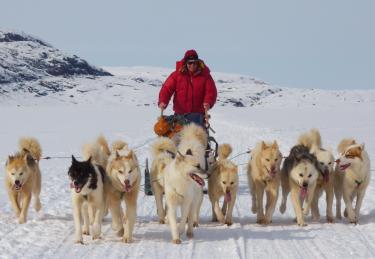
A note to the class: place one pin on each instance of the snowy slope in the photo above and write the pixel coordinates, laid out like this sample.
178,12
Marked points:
24,58
63,124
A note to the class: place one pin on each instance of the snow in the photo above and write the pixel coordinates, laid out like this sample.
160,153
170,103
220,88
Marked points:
127,111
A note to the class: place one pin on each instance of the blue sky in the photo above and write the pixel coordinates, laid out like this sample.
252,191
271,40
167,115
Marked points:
307,44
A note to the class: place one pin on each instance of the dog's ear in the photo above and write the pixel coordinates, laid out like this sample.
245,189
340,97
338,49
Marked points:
29,159
275,145
117,155
264,146
189,152
74,160
89,160
179,156
130,155
362,146
9,160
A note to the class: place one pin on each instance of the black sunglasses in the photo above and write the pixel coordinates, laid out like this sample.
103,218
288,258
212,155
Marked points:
192,62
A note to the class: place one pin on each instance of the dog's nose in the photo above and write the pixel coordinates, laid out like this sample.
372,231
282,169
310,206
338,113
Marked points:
17,182
273,168
75,183
305,184
127,182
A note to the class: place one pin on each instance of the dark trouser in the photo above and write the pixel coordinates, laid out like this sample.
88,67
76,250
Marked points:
197,118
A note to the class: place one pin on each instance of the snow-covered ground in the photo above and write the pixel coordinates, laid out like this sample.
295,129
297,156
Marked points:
63,124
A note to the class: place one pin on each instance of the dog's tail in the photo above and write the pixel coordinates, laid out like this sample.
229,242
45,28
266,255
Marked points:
194,131
32,146
346,142
161,145
98,151
311,139
119,145
224,151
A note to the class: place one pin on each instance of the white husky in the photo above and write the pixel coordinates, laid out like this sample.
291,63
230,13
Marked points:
183,182
352,176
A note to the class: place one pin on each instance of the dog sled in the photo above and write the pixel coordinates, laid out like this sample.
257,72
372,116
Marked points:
169,126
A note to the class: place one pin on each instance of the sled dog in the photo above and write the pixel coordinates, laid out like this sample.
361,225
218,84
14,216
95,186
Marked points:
87,184
263,172
312,140
299,176
183,181
125,177
352,176
223,181
23,177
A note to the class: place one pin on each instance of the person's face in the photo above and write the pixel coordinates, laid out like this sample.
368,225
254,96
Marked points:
192,66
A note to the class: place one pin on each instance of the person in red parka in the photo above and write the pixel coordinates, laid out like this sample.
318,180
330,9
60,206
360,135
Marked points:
193,89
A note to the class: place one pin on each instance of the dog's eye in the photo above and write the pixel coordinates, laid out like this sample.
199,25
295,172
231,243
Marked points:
276,159
330,163
267,160
199,166
321,163
131,170
12,173
310,175
224,182
231,182
21,173
120,172
301,175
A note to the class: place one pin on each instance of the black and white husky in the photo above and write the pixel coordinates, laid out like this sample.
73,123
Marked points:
87,184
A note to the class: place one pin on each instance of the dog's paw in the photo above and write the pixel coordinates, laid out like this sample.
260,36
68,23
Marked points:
229,222
79,241
330,219
189,234
86,231
315,217
95,237
22,220
161,221
176,241
353,219
345,213
254,209
195,224
302,224
260,220
127,240
338,216
120,233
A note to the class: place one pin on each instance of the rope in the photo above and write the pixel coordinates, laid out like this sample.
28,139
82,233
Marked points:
240,154
58,157
145,143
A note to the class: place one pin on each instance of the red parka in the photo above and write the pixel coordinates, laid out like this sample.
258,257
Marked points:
190,90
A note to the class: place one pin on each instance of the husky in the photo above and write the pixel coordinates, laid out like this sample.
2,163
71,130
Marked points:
87,184
352,176
263,172
313,141
299,175
223,181
183,181
163,151
23,177
125,177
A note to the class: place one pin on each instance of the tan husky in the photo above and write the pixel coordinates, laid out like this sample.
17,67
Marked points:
312,140
23,177
125,177
163,151
352,176
263,172
223,181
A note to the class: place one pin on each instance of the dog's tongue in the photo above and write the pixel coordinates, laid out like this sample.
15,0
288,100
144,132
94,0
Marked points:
273,173
227,197
326,176
127,187
76,188
197,179
343,167
17,186
303,192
